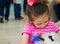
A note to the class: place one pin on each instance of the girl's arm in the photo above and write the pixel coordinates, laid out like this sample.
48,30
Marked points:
25,38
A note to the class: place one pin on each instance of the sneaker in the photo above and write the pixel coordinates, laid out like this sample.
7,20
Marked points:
1,20
19,18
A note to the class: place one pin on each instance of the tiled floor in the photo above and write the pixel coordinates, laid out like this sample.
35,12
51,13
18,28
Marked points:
10,33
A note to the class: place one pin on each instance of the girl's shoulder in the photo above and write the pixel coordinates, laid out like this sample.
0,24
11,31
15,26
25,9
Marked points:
28,24
27,29
52,24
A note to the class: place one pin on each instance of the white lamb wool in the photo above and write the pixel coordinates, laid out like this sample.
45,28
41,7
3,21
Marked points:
54,36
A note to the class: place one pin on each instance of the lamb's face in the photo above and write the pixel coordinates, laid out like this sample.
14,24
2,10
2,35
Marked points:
50,38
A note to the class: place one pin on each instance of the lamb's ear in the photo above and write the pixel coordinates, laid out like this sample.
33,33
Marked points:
50,37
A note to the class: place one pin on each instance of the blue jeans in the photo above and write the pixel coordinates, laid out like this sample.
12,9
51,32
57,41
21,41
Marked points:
24,5
17,10
2,11
6,14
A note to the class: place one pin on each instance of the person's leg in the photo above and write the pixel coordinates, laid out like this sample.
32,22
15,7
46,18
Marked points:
17,11
1,14
19,16
24,5
57,11
7,12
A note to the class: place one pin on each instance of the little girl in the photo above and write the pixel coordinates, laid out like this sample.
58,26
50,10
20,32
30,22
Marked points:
39,23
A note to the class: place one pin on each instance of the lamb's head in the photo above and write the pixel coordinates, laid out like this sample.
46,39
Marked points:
50,38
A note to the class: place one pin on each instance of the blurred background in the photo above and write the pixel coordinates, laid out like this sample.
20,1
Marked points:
12,19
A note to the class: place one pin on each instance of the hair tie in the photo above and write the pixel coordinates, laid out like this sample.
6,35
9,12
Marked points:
31,2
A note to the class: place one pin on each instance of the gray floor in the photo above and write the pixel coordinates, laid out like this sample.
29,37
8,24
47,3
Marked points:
10,33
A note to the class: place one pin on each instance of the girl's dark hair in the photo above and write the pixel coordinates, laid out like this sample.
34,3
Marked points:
37,9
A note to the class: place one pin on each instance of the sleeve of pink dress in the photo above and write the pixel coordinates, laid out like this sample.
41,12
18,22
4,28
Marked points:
27,29
56,28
